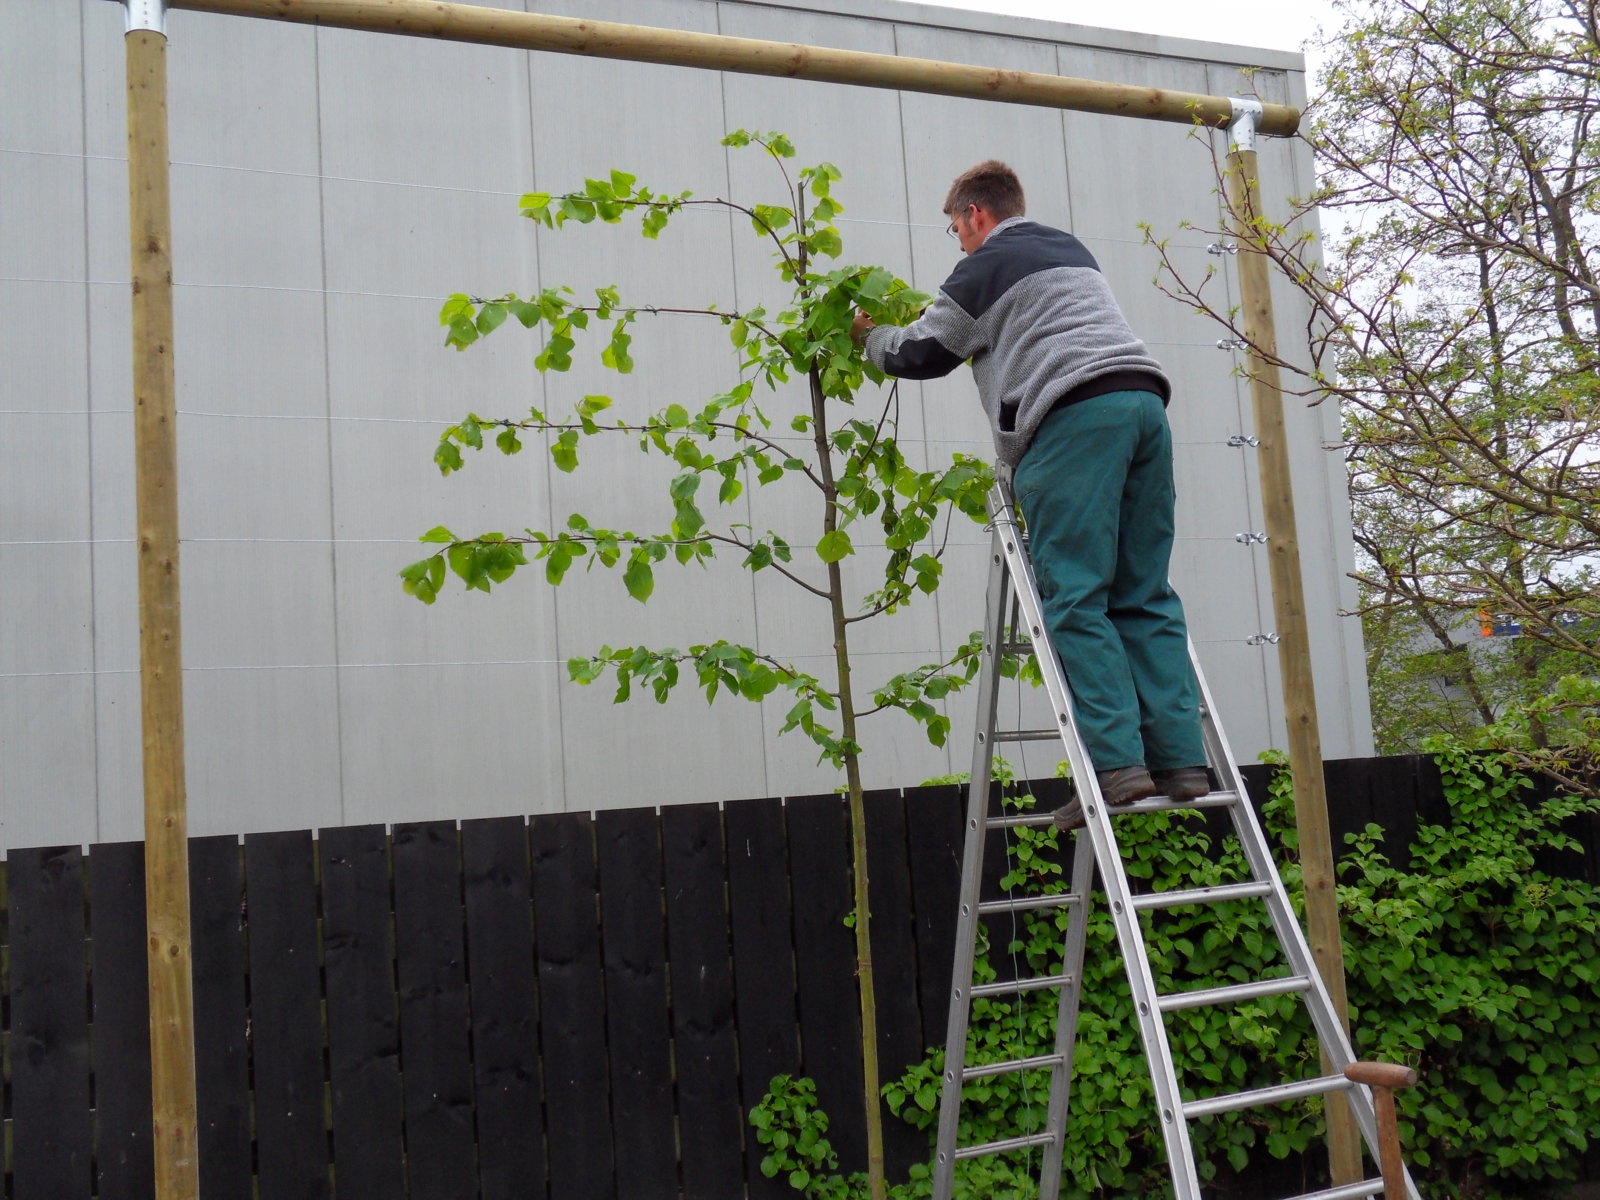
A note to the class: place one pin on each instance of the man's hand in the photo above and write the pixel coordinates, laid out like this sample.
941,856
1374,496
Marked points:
859,327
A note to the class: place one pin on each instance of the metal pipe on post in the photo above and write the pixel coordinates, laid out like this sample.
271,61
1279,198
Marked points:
1288,595
166,847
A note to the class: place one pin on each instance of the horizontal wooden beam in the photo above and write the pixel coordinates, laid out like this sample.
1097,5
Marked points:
673,47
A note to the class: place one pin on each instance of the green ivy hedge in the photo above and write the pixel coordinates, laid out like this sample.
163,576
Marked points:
1470,964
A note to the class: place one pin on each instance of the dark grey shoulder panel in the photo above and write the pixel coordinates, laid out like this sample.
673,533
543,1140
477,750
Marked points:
1013,254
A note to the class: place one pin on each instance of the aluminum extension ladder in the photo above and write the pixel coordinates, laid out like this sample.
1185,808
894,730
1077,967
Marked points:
1013,592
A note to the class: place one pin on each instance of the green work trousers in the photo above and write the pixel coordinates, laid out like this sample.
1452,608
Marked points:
1096,491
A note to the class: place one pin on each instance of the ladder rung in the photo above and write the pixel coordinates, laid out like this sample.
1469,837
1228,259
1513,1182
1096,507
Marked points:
1205,895
1348,1191
1214,799
1004,1144
1013,1065
1027,903
1027,735
1217,799
1024,819
1267,1095
1016,647
1007,986
1233,993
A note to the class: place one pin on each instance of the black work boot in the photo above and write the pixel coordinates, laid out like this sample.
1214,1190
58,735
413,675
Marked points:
1182,783
1125,785
1121,786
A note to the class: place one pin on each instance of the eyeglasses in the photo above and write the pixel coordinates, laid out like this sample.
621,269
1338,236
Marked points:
951,230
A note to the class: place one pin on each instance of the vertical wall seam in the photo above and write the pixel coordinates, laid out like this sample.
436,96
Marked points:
927,445
542,393
327,408
88,431
762,714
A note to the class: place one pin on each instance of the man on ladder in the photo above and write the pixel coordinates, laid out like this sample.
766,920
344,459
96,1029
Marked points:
1078,411
1077,406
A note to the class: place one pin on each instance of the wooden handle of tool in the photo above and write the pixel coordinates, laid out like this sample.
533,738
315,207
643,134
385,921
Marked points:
1385,1077
1379,1074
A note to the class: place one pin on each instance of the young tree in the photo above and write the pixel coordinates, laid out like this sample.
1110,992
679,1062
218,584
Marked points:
851,465
1455,324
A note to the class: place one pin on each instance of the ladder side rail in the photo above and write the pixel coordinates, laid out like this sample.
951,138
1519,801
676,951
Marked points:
1158,1052
1334,1041
1072,955
998,602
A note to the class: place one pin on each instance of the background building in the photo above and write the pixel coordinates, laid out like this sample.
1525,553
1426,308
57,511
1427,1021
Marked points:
329,189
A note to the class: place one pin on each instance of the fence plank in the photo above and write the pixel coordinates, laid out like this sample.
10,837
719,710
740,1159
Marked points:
825,966
763,966
710,1130
894,963
934,833
640,1041
221,1016
497,891
571,1001
286,1015
50,1130
431,969
124,1165
363,1025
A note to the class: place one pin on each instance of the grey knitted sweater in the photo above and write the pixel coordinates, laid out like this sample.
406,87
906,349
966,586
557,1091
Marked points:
1035,316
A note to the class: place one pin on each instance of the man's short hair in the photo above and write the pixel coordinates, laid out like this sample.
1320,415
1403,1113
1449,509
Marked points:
990,185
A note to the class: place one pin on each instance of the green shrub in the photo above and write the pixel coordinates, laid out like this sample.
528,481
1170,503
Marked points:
1471,964
1484,972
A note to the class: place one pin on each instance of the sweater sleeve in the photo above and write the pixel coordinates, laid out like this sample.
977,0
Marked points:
935,344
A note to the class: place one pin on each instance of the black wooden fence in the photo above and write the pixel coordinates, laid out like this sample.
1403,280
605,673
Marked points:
575,1006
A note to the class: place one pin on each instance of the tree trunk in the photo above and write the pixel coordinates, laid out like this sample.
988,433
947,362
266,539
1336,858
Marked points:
858,813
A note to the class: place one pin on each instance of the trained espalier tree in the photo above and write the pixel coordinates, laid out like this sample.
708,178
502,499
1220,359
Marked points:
1454,321
788,422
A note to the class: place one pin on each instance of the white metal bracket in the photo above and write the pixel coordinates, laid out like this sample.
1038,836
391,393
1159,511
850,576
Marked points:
1247,114
147,14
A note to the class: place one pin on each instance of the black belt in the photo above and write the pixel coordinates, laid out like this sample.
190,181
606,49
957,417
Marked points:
1115,381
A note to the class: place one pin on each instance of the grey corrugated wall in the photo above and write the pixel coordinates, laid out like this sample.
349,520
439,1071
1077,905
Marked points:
329,189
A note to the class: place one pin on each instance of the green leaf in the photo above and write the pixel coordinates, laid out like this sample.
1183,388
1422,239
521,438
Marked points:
577,209
834,546
565,450
491,317
639,578
616,354
438,534
536,205
447,456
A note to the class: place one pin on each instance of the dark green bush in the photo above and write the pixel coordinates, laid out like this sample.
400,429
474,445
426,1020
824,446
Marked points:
1471,964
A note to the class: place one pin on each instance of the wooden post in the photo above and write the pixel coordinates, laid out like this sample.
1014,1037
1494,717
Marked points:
482,25
1294,641
166,849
